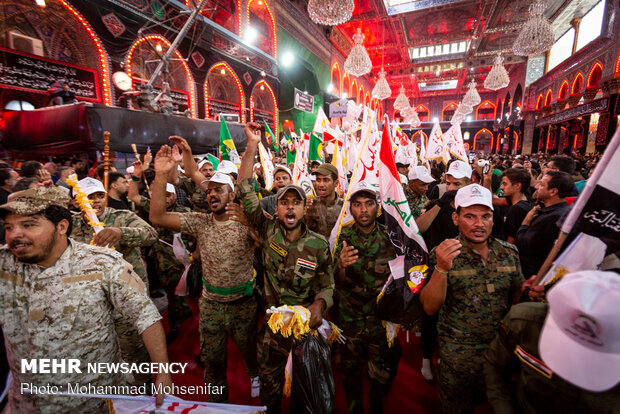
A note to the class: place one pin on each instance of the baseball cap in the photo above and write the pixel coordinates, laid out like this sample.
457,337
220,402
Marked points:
326,169
222,178
35,200
227,167
291,187
90,186
473,194
203,162
459,169
282,168
170,188
580,340
420,173
363,186
129,170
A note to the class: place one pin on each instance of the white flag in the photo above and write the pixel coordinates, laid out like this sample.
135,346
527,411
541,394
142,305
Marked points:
453,138
267,164
321,123
300,173
436,149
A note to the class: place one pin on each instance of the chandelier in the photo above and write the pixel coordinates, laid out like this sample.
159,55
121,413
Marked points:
498,76
472,97
536,36
330,12
401,101
358,62
411,116
382,89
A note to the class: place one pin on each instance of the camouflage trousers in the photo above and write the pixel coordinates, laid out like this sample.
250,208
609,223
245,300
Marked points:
461,378
273,350
178,308
367,350
217,321
132,348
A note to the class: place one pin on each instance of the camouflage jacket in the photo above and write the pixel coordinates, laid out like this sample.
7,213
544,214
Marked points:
365,278
321,218
66,311
198,197
136,233
479,295
416,202
296,273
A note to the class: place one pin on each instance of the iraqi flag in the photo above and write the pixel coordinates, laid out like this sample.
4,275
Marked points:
398,302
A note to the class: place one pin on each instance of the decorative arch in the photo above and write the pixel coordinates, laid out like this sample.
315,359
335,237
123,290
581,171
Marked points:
336,79
539,102
480,132
346,84
259,12
563,92
353,90
480,110
215,98
367,98
188,73
259,93
421,110
222,13
419,134
448,111
548,98
594,77
617,67
577,84
360,95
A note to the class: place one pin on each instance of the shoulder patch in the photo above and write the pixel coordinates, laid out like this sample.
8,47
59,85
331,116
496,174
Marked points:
278,249
132,279
83,278
533,362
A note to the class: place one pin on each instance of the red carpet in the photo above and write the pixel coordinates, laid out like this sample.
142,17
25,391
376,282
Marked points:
410,392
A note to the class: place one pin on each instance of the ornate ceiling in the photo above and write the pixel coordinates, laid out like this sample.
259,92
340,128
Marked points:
394,27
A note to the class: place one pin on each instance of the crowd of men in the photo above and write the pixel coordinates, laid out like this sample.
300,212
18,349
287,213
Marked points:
488,225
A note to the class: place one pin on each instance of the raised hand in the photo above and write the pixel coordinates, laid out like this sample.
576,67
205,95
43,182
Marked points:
181,143
252,132
138,168
164,163
148,157
446,252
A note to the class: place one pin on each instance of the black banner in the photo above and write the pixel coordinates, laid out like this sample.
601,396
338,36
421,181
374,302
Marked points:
601,218
36,74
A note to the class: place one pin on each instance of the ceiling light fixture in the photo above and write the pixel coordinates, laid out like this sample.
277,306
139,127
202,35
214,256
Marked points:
382,89
472,97
358,62
251,34
401,101
536,36
287,59
330,12
498,76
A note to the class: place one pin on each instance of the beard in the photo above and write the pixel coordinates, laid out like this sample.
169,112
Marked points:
46,249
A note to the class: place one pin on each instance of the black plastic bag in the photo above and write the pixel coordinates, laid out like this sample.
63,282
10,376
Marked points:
313,390
194,280
399,304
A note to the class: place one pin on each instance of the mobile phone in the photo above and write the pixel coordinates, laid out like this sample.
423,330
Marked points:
486,169
471,157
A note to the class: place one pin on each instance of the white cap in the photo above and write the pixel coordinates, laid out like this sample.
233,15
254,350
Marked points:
282,168
362,186
170,188
90,186
473,194
403,178
401,158
420,173
580,340
227,167
129,170
222,178
203,162
459,169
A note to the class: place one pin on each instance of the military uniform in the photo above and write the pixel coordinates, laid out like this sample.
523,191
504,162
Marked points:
366,346
514,351
322,217
478,296
135,234
198,197
66,311
416,202
296,273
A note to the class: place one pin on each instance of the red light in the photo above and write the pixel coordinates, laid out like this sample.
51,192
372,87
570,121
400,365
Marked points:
598,69
273,26
224,66
577,83
275,104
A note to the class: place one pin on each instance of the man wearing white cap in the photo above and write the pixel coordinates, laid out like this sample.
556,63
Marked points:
127,233
228,305
565,354
362,268
418,180
474,281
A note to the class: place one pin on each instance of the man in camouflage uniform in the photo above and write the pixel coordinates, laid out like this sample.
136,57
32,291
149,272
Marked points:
475,280
126,232
58,298
228,304
298,268
362,255
323,213
169,268
415,190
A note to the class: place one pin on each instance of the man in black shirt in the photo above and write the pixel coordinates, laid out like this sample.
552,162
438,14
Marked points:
515,181
117,191
539,229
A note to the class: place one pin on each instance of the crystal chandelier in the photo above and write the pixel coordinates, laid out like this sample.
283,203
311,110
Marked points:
330,12
358,62
411,116
536,36
498,76
382,89
472,97
401,101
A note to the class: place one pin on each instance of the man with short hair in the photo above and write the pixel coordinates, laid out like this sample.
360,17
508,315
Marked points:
515,182
206,168
282,177
34,169
8,178
298,268
539,229
117,191
362,268
561,163
418,181
64,172
474,280
59,300
79,166
228,304
323,213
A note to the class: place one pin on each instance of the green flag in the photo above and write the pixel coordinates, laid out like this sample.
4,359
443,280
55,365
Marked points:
272,140
214,160
316,148
227,146
290,155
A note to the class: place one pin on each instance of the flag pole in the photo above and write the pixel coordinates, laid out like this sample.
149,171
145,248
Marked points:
578,206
